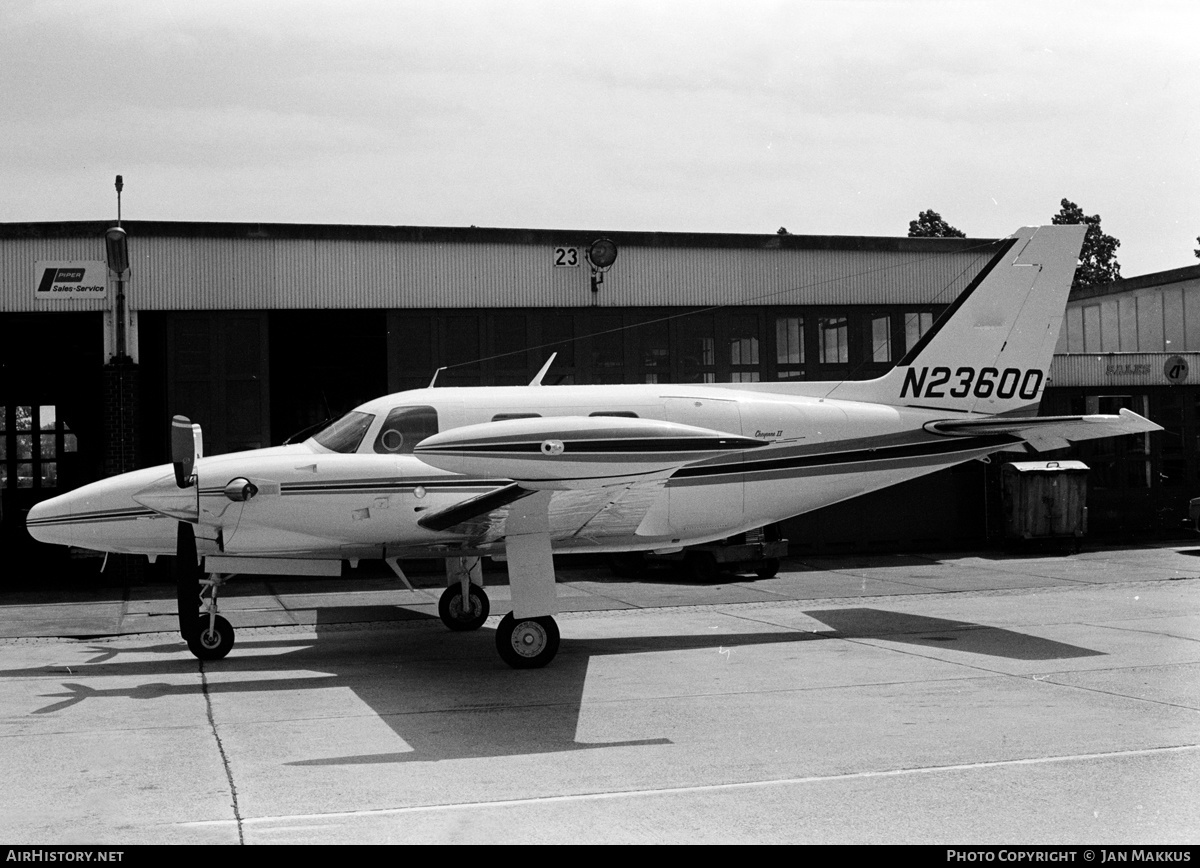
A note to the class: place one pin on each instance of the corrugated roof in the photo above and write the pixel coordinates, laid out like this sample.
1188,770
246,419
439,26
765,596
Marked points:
487,235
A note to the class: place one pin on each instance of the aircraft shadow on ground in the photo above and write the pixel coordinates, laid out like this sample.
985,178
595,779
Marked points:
963,636
448,696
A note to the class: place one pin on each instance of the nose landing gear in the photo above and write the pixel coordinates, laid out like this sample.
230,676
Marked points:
213,638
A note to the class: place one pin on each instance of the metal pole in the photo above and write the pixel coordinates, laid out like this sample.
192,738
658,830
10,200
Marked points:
120,185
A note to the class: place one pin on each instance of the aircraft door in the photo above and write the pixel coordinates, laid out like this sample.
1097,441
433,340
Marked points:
710,496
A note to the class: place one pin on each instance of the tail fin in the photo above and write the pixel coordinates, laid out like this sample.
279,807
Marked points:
991,349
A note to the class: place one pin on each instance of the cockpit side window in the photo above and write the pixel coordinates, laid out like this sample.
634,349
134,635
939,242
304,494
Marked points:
404,428
346,433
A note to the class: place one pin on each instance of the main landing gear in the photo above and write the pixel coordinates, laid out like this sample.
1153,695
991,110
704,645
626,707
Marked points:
527,643
528,640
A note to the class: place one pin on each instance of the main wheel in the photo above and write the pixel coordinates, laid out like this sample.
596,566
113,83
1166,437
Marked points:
702,566
528,643
768,569
627,565
211,643
455,615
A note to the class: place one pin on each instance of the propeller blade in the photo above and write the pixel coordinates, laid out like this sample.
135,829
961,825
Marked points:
187,579
183,450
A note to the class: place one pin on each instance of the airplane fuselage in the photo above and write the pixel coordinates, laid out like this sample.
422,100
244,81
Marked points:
363,498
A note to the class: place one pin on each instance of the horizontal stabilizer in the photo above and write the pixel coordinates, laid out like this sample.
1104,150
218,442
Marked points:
1048,432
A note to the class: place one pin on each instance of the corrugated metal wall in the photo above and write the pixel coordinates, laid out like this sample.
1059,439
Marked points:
18,280
1163,318
205,273
1121,369
214,273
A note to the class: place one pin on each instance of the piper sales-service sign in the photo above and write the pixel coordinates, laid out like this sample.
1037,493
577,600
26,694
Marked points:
59,279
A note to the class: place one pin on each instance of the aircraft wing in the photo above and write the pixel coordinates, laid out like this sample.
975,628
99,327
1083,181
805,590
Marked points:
578,512
1048,432
603,473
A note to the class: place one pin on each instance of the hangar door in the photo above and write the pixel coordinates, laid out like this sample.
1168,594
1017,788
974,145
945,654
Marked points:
50,417
217,376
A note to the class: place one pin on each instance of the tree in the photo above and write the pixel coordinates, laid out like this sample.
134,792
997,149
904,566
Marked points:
1197,250
1098,258
929,224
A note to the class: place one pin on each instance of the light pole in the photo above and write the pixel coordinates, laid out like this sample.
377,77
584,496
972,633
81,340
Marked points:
116,244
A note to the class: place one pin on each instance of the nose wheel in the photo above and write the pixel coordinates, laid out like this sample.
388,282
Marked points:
212,638
527,643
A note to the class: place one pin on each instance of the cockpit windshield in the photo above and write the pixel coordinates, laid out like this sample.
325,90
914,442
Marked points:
346,433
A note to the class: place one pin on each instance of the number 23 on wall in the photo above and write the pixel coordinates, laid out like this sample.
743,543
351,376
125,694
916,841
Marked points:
566,257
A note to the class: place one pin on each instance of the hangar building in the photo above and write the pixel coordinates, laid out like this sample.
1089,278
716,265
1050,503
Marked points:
260,330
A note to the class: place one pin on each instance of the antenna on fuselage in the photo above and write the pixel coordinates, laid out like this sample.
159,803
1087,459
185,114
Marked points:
537,379
435,375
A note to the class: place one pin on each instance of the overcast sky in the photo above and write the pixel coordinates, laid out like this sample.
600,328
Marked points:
845,117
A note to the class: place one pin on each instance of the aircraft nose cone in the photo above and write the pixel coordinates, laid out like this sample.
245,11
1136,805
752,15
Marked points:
46,520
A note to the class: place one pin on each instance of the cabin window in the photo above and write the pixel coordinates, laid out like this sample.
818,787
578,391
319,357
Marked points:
404,428
626,414
501,417
346,433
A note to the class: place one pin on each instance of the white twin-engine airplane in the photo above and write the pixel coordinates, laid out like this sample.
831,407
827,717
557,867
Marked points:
520,473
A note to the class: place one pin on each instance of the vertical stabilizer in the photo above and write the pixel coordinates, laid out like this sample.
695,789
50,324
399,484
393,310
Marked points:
990,351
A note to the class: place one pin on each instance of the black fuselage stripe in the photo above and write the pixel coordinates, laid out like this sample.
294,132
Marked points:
92,517
615,447
857,456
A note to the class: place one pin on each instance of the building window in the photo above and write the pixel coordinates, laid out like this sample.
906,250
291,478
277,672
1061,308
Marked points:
39,439
698,350
879,338
916,323
789,346
653,353
607,343
834,333
743,349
